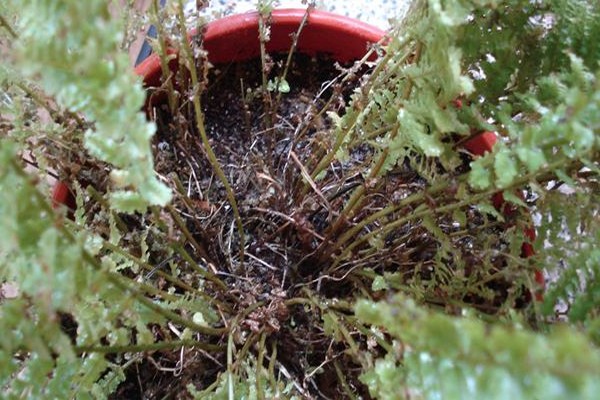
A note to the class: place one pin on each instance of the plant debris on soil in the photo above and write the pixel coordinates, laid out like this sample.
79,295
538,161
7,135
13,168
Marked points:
284,288
257,160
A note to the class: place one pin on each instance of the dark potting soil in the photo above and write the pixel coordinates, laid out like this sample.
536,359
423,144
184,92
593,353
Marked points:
261,141
264,143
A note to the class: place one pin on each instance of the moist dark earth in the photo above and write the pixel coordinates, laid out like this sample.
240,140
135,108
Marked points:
252,138
252,134
264,141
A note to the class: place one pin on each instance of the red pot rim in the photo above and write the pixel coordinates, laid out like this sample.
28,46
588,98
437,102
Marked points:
235,38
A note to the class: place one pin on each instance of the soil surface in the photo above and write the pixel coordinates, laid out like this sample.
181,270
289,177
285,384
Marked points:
262,140
283,290
256,137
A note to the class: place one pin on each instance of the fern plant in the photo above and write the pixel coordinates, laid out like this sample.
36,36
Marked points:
404,277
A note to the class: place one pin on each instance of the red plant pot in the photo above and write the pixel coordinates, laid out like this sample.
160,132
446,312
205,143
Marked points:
236,38
479,145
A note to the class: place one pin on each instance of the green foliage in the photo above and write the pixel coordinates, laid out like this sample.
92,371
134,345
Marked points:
135,286
574,257
563,132
71,48
440,356
549,112
245,384
265,7
55,276
542,95
412,89
577,23
49,272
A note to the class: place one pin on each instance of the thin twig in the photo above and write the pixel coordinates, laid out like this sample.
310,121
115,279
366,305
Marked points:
135,348
212,158
4,23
